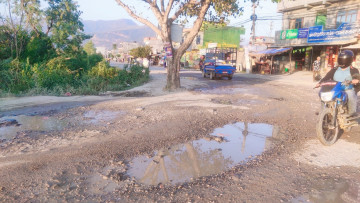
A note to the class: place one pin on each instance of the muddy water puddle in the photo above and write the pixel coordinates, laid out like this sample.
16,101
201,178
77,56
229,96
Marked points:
30,123
101,117
230,90
228,146
12,125
331,191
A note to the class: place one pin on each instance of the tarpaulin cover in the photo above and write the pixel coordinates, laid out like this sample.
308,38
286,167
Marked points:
271,52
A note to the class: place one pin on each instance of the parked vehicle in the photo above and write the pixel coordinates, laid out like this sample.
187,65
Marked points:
220,62
334,117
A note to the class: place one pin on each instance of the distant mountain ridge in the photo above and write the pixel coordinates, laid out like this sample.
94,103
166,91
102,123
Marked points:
108,32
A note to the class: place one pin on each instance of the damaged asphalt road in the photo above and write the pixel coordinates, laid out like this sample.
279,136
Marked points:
251,139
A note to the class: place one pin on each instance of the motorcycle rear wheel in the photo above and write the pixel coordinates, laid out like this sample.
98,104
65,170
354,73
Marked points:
203,73
326,133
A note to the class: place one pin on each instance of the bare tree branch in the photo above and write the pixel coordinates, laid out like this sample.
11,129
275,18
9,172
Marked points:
138,18
168,8
24,5
191,3
156,11
196,27
162,6
49,27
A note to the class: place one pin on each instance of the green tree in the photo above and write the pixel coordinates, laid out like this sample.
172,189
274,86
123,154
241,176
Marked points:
13,17
89,48
167,14
33,15
5,43
114,47
39,48
65,26
141,52
61,18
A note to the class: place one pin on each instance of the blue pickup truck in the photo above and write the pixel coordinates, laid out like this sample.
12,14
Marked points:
219,62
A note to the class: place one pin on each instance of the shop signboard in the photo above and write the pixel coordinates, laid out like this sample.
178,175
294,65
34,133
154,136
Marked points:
292,34
289,34
344,32
212,45
176,33
283,34
167,49
303,33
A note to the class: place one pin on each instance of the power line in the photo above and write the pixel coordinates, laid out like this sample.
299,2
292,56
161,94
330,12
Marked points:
276,18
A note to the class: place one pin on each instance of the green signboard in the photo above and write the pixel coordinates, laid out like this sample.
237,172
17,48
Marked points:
292,34
320,20
223,36
289,34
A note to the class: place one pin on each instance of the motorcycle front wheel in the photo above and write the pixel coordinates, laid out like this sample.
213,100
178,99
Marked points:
327,133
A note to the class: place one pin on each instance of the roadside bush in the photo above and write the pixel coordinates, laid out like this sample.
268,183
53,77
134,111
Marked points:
103,70
39,49
15,76
54,73
105,78
94,59
58,76
102,75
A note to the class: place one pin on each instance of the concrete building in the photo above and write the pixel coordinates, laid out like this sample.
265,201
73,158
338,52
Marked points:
125,47
155,43
101,50
313,28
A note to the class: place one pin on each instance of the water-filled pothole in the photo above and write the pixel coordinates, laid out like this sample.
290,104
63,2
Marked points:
230,90
228,147
31,123
101,117
331,191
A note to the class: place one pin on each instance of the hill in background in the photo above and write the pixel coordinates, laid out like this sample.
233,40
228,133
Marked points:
108,32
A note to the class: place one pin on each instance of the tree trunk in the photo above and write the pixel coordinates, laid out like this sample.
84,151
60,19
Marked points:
16,45
173,72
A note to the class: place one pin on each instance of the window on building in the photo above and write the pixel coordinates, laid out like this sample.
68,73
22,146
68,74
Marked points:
198,39
320,19
346,17
296,23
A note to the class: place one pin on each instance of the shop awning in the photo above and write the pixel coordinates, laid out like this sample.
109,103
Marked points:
354,46
270,52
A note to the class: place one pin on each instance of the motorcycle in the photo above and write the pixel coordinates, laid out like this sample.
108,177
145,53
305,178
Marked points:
334,117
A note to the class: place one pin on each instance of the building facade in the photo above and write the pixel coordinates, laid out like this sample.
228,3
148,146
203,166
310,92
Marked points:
125,47
322,28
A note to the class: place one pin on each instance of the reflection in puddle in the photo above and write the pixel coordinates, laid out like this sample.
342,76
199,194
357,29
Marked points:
188,78
332,191
198,158
96,117
31,123
229,90
222,90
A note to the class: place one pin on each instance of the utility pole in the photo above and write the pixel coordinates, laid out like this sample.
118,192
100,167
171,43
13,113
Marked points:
253,18
271,28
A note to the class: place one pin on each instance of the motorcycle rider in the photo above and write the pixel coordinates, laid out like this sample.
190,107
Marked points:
346,72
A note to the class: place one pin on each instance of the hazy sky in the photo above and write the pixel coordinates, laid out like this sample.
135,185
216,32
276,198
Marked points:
110,10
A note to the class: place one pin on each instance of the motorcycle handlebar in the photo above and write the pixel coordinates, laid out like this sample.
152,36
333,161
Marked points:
346,83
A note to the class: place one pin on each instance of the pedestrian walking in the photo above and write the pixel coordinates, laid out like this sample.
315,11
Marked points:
317,69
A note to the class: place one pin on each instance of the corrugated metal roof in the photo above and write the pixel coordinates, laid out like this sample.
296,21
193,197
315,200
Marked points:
354,46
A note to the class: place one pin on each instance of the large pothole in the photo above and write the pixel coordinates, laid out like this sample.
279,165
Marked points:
227,147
